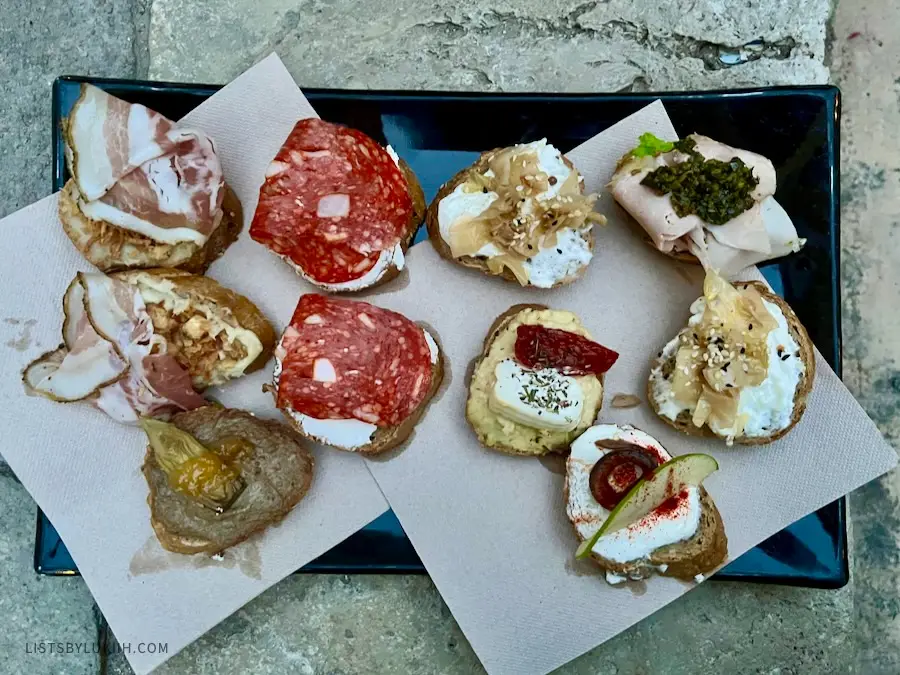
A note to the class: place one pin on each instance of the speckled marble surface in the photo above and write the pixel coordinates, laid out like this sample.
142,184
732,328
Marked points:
392,624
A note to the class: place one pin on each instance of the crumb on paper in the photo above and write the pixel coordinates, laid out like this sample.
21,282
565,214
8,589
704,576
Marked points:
625,401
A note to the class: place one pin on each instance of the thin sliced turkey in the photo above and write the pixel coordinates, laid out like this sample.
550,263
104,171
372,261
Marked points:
762,232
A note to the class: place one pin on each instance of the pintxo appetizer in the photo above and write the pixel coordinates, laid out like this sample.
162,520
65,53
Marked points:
338,207
519,213
144,191
354,376
741,369
217,476
538,382
145,342
705,202
638,511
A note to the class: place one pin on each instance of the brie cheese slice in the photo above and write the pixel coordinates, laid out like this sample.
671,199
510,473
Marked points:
543,399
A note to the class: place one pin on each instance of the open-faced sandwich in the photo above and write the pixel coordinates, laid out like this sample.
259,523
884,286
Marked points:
354,376
144,191
217,476
639,511
703,201
145,342
741,369
538,382
338,207
519,213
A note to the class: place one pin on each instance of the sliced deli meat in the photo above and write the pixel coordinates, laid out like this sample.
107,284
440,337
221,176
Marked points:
111,355
348,360
707,199
334,203
138,170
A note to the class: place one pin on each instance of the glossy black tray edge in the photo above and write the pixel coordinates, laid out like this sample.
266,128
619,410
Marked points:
331,563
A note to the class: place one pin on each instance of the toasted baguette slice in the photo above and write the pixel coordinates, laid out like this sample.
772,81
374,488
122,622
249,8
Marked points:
807,353
385,438
705,551
476,405
219,311
111,247
474,262
277,473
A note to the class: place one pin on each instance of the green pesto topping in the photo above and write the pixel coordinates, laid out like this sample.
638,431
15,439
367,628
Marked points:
714,190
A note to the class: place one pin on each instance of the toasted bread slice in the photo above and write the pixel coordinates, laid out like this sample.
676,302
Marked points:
807,353
557,442
473,262
384,438
700,554
111,247
277,473
221,311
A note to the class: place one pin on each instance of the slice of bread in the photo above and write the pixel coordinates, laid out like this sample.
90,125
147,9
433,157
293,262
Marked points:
807,353
204,295
392,271
111,247
701,554
277,474
538,449
473,262
384,438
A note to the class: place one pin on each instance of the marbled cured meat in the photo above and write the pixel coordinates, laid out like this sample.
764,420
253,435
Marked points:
344,359
332,201
136,169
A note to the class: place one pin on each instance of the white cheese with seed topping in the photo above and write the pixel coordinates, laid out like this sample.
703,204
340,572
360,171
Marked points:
541,399
347,434
769,406
549,265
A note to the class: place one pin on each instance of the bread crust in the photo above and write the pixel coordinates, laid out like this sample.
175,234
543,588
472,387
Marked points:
701,554
212,423
443,248
493,332
683,422
207,290
388,438
110,247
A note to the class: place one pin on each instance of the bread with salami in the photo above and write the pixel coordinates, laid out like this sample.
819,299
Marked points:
354,376
338,207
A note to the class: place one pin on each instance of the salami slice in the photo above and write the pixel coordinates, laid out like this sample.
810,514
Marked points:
333,199
346,359
571,354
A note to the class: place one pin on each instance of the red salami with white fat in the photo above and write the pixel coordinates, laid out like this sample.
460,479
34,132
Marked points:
333,199
345,359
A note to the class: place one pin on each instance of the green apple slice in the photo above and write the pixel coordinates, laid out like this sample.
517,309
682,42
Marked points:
650,492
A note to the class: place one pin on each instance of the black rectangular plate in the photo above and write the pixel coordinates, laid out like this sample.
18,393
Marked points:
440,133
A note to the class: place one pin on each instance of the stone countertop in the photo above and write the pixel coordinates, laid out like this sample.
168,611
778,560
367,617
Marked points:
393,624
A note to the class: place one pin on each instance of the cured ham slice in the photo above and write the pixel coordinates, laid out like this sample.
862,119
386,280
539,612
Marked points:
111,355
136,169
